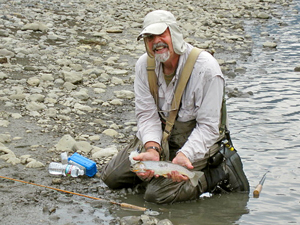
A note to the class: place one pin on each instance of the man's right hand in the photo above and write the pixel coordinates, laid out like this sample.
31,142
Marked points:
150,155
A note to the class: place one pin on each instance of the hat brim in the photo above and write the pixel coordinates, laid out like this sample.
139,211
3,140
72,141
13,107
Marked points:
155,29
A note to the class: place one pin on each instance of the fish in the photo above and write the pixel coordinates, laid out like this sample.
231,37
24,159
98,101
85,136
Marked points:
163,168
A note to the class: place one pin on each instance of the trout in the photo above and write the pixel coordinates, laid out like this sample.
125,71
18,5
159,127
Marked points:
163,168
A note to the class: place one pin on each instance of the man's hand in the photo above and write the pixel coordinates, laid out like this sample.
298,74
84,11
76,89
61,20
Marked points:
149,155
181,160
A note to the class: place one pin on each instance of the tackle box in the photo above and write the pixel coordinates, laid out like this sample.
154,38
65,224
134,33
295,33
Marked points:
84,163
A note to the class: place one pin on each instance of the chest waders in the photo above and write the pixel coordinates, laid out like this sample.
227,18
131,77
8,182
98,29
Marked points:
176,133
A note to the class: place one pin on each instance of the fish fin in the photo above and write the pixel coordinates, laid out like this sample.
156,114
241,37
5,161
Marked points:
194,180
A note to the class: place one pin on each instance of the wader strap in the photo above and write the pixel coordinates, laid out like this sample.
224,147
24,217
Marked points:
223,124
152,79
184,77
153,86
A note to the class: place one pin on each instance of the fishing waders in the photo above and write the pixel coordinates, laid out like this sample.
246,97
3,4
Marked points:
223,168
221,165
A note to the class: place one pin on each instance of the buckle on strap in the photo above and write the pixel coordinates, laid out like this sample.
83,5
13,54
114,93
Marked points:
168,127
150,68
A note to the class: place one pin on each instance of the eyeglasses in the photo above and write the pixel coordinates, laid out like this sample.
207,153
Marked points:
148,37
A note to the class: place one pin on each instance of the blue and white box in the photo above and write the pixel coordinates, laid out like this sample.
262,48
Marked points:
89,166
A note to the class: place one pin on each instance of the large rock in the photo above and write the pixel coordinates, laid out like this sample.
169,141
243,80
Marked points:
72,77
65,144
83,146
99,153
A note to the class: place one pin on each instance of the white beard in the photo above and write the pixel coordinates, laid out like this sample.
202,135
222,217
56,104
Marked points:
162,57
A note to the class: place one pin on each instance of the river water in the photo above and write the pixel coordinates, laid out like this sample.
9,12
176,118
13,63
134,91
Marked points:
264,129
266,126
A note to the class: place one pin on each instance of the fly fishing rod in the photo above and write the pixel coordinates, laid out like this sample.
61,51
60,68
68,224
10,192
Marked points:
258,188
122,205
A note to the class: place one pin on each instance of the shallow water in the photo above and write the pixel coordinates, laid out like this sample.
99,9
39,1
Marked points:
266,126
264,129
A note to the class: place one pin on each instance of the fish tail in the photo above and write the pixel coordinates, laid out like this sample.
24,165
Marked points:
194,180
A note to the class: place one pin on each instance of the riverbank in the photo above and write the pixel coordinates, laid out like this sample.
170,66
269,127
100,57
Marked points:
67,70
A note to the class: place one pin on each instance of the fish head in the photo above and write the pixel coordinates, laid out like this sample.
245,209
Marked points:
138,167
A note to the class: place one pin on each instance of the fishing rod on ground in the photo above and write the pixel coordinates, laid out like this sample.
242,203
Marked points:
258,188
122,205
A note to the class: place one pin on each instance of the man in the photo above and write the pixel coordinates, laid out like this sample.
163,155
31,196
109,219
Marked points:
196,128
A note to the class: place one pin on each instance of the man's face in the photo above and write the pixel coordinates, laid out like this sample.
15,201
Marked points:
160,46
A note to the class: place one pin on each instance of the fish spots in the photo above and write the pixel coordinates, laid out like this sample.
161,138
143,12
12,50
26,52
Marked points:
162,165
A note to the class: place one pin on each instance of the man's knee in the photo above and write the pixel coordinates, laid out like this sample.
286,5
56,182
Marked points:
158,197
164,191
110,178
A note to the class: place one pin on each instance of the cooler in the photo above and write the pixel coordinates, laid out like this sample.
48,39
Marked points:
88,165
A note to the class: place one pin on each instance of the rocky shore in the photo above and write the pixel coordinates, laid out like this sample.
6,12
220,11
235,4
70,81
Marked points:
66,85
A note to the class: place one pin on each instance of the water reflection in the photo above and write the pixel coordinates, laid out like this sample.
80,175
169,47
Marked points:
222,209
265,127
219,209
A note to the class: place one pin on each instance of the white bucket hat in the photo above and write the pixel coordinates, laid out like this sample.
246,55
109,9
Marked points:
156,22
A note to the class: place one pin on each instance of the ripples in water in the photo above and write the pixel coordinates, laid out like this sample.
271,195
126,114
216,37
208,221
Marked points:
266,127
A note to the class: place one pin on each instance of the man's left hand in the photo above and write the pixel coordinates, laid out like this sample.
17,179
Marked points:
181,160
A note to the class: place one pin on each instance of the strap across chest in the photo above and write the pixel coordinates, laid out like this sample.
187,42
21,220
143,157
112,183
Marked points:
183,79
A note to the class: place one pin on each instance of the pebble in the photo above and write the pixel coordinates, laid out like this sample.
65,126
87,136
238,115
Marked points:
110,132
124,94
3,76
34,164
297,69
269,44
5,138
37,26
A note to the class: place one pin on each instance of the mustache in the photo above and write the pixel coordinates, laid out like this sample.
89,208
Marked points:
159,44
